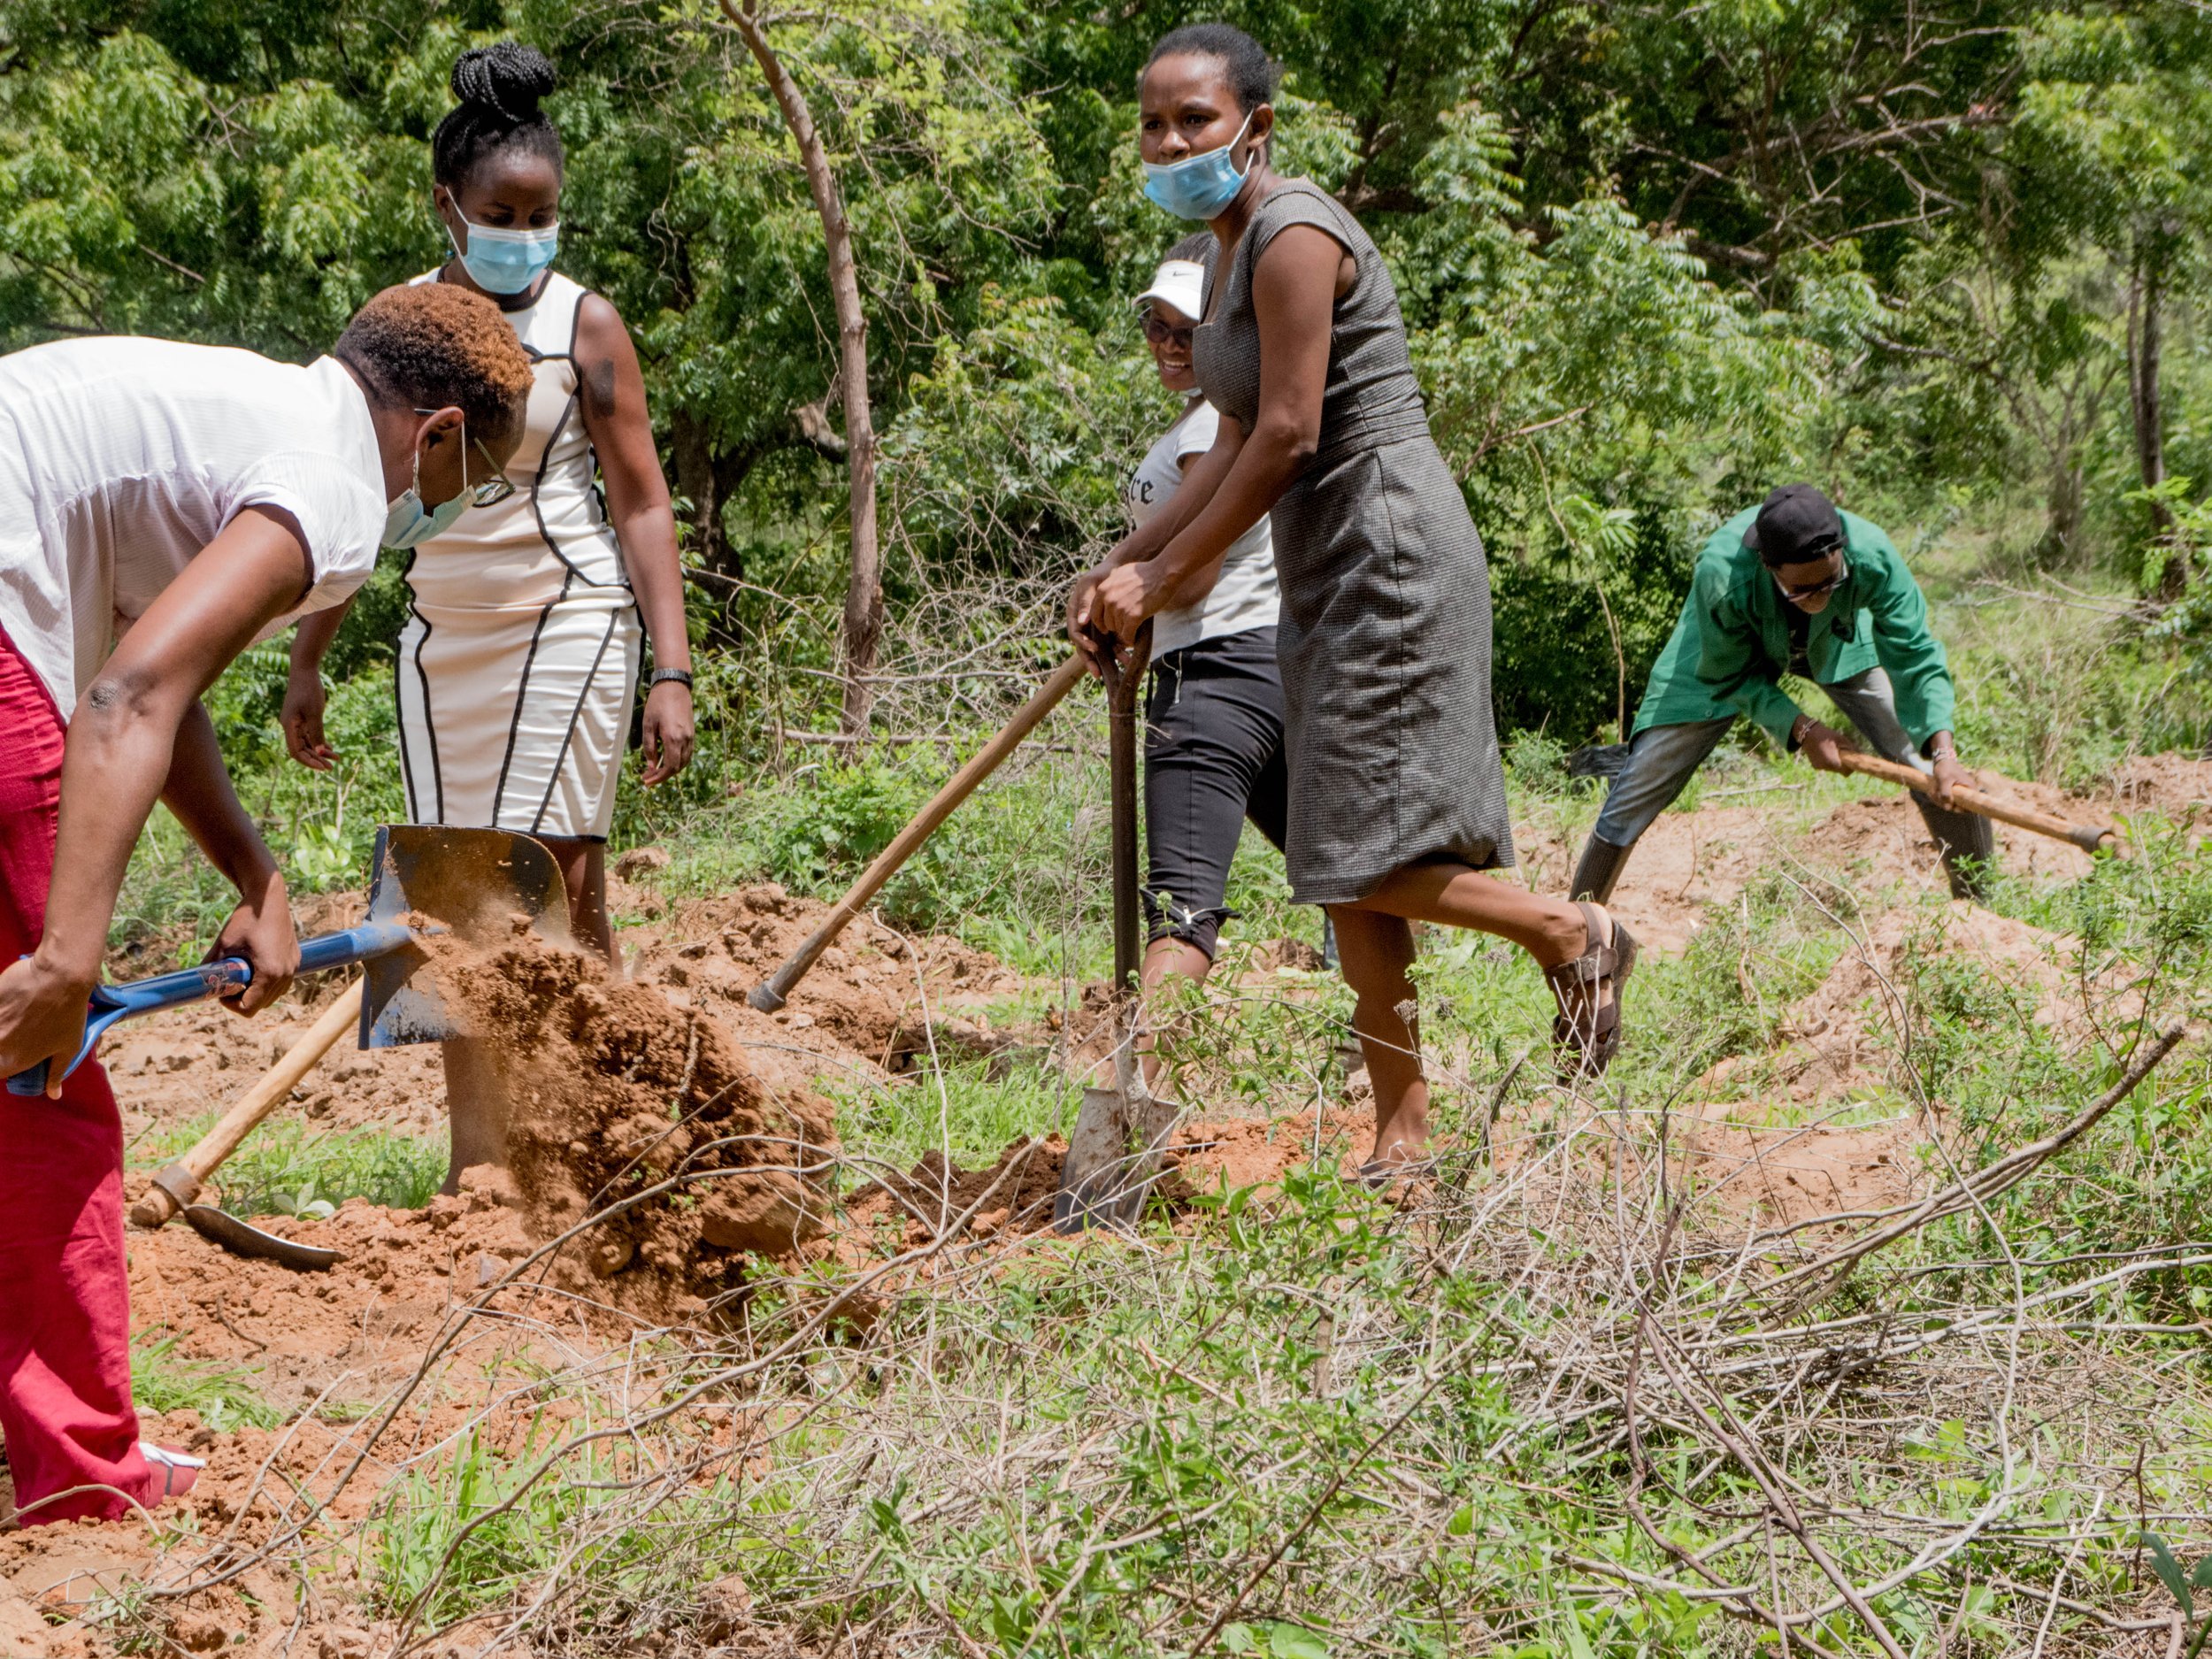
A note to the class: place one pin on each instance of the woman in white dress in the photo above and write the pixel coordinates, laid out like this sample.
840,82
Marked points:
518,663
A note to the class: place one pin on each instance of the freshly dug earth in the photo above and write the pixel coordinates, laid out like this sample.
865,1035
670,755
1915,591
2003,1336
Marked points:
618,1085
614,1097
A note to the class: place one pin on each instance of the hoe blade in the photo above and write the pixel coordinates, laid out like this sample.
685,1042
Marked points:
481,886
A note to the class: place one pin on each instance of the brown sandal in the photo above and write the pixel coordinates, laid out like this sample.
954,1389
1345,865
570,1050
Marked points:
1586,1031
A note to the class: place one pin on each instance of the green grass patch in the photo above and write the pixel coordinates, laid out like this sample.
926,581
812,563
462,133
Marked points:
290,1169
224,1399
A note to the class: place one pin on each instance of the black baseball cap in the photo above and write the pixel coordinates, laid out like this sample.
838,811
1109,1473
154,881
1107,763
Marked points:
1796,525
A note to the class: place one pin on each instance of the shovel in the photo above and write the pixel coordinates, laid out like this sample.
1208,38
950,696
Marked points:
1121,1130
773,991
477,885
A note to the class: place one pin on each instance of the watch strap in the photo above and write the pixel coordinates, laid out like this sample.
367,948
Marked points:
680,676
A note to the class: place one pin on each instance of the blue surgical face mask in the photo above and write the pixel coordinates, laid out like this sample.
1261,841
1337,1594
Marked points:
408,524
507,261
1200,186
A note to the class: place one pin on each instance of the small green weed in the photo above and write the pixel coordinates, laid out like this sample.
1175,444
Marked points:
224,1399
287,1170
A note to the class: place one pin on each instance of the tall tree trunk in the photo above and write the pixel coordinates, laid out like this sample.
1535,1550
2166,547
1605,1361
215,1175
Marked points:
863,587
2146,288
698,478
2062,535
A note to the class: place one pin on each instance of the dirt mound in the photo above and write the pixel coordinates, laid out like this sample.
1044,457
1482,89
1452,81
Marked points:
874,1000
1849,1041
1223,1154
1848,1033
1776,1177
1014,1193
611,1091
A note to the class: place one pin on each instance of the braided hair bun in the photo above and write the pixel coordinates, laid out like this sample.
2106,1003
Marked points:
499,86
507,76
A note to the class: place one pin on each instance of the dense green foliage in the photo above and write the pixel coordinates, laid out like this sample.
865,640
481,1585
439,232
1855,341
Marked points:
1652,261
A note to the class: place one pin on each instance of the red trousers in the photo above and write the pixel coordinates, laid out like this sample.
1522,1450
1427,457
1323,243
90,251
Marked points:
65,1410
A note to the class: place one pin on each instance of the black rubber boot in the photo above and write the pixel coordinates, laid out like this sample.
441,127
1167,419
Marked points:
1967,842
1598,869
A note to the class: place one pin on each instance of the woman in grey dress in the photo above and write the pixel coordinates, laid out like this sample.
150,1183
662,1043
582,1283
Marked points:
1397,798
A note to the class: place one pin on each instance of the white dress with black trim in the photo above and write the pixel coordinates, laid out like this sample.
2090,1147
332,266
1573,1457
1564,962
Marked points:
518,662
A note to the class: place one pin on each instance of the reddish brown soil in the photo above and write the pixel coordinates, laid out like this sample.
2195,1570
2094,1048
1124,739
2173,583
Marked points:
617,1084
615,1098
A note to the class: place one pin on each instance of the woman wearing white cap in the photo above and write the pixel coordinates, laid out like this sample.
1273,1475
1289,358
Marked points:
1214,719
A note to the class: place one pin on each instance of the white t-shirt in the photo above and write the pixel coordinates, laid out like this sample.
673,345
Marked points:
121,458
1245,596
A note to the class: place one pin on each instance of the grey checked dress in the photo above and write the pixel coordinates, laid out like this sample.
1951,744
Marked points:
1384,636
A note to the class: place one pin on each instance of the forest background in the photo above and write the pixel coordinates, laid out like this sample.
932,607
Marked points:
1948,261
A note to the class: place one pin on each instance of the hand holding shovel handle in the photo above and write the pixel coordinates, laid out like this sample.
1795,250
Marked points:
2093,839
772,993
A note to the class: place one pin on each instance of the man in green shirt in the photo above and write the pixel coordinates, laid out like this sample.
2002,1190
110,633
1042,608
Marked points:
1794,586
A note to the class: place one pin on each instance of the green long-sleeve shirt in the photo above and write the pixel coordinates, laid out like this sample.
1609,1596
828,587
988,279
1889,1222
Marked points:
1727,654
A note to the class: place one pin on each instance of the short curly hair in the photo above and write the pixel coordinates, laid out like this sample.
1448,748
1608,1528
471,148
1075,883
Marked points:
433,345
1252,75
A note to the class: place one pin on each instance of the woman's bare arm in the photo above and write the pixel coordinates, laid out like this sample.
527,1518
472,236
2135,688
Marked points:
302,718
198,792
1294,286
621,433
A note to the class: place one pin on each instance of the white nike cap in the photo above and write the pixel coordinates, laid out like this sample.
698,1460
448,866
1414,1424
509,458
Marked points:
1179,283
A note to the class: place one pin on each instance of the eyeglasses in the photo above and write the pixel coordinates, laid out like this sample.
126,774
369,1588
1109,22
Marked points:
494,489
1161,333
1813,590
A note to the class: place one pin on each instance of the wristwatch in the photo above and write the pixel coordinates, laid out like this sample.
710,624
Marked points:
680,676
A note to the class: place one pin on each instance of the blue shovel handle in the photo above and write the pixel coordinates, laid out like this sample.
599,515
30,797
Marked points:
112,1003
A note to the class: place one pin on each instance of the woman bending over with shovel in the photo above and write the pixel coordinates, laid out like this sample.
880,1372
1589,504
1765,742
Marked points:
1213,744
163,506
518,663
1397,806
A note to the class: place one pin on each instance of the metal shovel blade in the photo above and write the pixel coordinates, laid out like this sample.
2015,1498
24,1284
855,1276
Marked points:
1113,1159
242,1237
1090,1195
477,885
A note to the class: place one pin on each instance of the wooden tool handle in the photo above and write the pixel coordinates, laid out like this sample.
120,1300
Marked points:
772,993
179,1185
2091,838
1125,689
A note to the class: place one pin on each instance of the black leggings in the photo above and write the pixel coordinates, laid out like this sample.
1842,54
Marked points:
1213,756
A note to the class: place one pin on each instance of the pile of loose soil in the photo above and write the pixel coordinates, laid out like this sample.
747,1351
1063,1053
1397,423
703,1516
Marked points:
1844,1043
616,1098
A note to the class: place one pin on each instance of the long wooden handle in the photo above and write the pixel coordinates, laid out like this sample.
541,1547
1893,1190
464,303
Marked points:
1124,687
179,1185
2091,838
772,993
